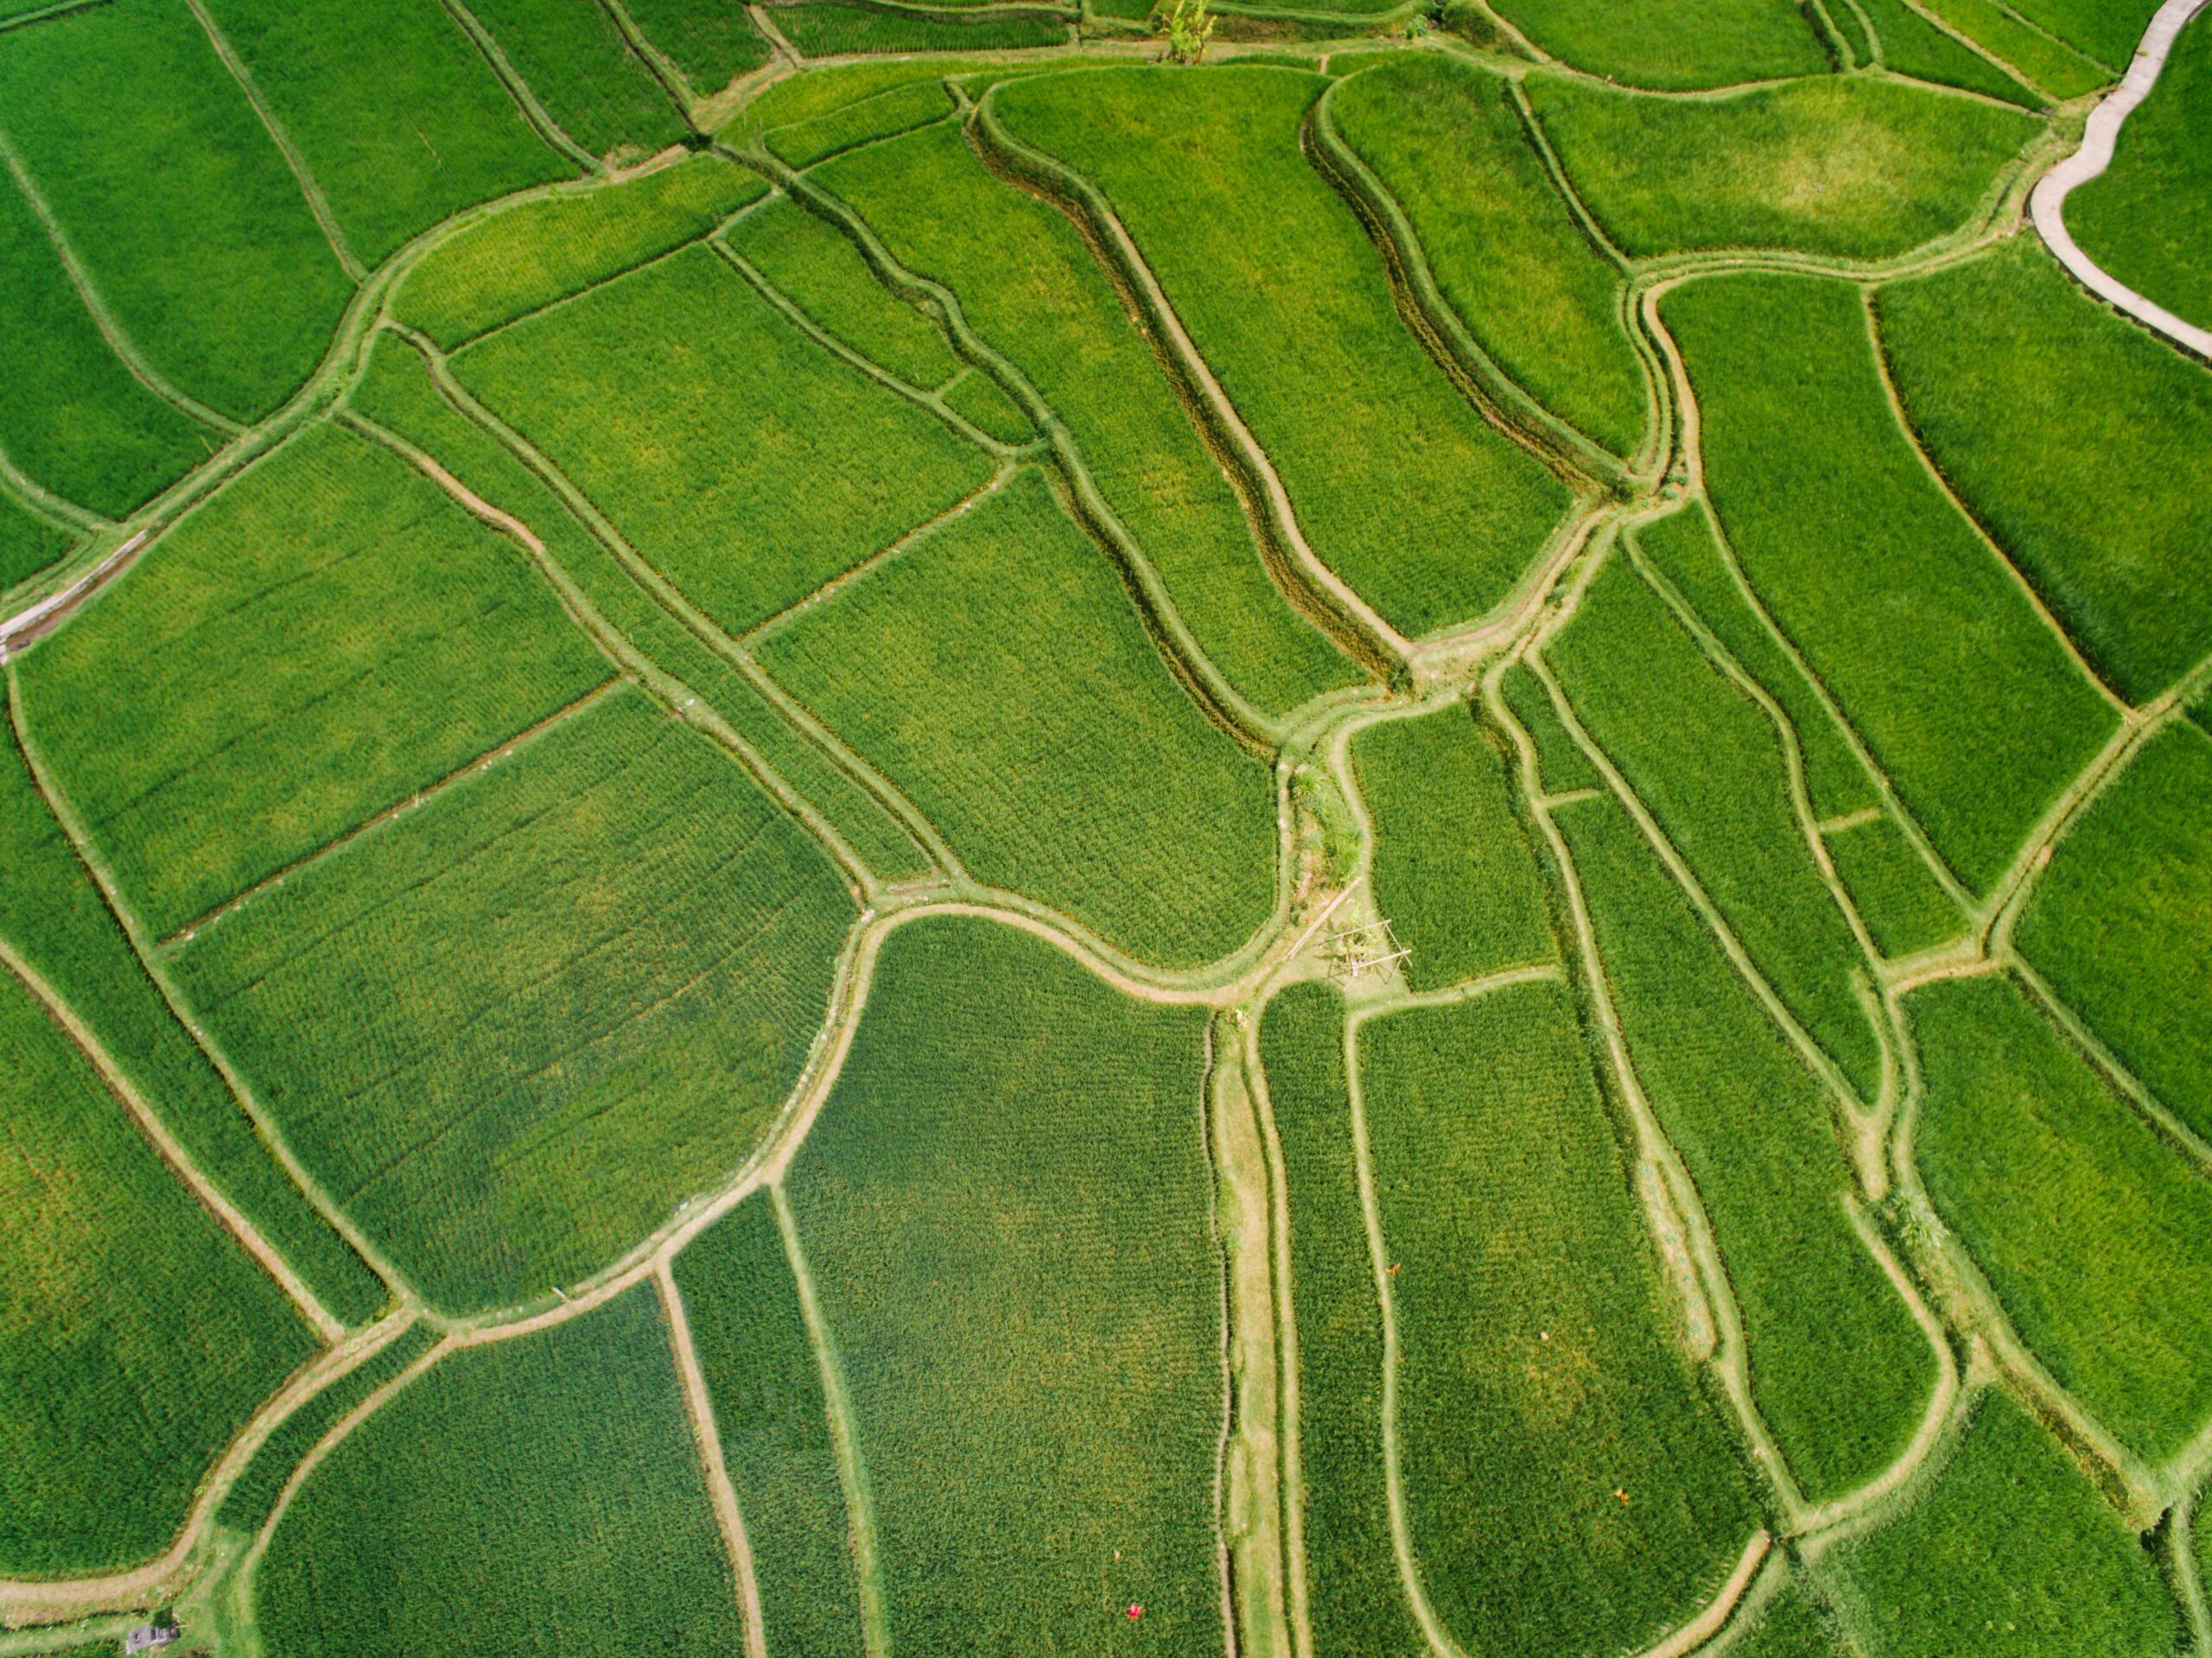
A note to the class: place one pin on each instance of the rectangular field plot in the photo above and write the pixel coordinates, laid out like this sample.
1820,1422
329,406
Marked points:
71,416
136,1336
573,59
56,921
823,272
1399,484
530,256
400,117
1030,286
765,1381
1895,892
2095,1232
747,462
828,30
1856,166
1453,868
538,1494
1445,140
2010,1553
1964,693
172,195
997,673
1838,1369
1358,1606
1561,766
1706,761
397,393
1986,355
509,1028
2121,922
1569,1485
326,637
1675,45
1005,1207
710,42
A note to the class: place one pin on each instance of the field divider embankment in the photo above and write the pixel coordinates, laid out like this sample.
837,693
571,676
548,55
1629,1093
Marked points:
673,82
482,762
539,118
1714,1616
1304,578
310,188
57,511
110,327
1579,462
35,621
150,960
679,699
2157,1116
699,1405
1177,647
2100,139
171,1151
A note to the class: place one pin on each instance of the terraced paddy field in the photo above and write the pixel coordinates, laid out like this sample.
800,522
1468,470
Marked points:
842,828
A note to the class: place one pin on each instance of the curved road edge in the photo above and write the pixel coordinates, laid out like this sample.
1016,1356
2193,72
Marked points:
2090,161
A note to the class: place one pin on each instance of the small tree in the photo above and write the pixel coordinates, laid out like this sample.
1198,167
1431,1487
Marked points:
1190,28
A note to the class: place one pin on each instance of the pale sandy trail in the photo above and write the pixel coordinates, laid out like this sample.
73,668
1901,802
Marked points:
2089,162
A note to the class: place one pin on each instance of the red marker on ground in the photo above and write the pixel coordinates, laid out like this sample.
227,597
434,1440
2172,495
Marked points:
1136,1610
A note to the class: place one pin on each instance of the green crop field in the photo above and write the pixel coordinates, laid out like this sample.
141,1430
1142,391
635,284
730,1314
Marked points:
869,828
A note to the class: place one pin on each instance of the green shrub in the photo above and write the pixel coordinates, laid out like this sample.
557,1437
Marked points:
326,637
769,1409
1855,166
136,1336
711,43
1674,44
1453,868
2126,901
1963,693
2011,1555
532,1495
740,457
1445,138
2064,427
573,59
996,672
1418,503
219,273
400,117
510,1029
1838,1367
824,274
1006,1205
1569,1485
2095,1232
1031,288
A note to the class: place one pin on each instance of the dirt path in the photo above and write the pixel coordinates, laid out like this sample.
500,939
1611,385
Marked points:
34,622
2098,142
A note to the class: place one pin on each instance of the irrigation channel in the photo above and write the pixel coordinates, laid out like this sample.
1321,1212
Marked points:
1325,843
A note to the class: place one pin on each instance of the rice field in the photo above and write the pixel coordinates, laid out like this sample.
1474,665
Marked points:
1674,46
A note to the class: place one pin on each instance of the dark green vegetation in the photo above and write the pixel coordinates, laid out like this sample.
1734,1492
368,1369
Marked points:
55,920
573,58
1860,167
709,43
2096,1231
1432,514
28,542
399,115
2067,429
766,1383
559,995
2148,219
135,1338
219,277
745,461
2123,920
527,257
1674,44
253,1498
1453,867
575,1439
251,691
830,29
1029,286
1446,139
1964,694
995,671
2012,1553
1561,766
1568,1486
1790,1626
1005,1208
1838,1367
1351,1570
1706,761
